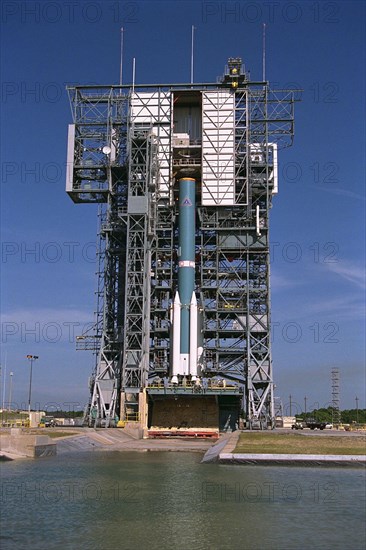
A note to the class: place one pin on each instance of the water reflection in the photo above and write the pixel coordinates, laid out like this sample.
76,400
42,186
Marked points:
169,500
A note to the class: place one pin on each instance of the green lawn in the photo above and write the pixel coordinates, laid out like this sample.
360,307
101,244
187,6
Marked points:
270,443
43,431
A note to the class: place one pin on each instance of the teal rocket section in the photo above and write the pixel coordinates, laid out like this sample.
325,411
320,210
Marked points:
186,254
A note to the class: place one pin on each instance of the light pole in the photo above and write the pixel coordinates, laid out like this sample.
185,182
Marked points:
10,389
31,358
4,386
2,412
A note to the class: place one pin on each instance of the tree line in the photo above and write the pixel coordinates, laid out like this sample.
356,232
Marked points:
331,415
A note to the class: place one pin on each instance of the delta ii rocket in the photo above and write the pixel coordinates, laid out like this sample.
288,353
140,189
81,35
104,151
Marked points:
185,311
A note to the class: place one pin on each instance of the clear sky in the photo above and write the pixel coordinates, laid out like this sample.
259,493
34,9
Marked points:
317,220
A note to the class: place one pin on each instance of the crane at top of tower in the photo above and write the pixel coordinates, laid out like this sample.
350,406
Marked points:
234,73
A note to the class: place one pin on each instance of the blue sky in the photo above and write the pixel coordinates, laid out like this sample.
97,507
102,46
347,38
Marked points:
317,221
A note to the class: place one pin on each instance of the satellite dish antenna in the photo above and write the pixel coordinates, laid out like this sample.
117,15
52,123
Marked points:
107,150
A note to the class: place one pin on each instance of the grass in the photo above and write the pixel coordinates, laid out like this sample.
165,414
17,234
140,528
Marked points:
270,443
44,431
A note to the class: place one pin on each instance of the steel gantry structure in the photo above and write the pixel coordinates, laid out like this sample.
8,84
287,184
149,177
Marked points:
130,148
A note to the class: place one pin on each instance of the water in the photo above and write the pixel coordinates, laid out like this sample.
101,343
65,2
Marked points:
158,500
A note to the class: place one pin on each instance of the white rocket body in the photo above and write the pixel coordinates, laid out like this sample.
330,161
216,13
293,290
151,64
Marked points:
185,364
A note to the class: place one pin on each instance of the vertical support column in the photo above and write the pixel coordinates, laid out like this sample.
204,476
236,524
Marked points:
122,406
143,410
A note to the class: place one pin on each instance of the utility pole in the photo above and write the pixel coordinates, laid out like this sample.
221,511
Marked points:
4,386
305,399
31,358
10,390
290,397
192,52
356,399
2,412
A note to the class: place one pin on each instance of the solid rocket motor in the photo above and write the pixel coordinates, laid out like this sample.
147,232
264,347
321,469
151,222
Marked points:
185,302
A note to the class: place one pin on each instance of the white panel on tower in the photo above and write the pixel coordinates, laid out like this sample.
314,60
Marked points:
70,159
153,110
218,142
262,156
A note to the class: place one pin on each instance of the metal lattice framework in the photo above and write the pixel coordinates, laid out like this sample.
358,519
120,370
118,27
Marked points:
97,174
335,396
120,155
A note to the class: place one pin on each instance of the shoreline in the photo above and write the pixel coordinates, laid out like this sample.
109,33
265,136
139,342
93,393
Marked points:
292,460
227,456
220,451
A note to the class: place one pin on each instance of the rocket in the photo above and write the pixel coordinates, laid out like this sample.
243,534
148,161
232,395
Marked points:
185,313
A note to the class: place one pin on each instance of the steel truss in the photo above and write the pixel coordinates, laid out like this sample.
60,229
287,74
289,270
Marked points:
98,170
134,180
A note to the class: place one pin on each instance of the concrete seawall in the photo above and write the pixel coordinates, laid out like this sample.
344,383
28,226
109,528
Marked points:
227,456
292,459
223,453
19,444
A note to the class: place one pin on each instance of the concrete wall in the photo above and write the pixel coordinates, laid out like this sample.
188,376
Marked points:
32,446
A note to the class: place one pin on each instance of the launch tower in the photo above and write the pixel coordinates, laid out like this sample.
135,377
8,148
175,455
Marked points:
184,175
